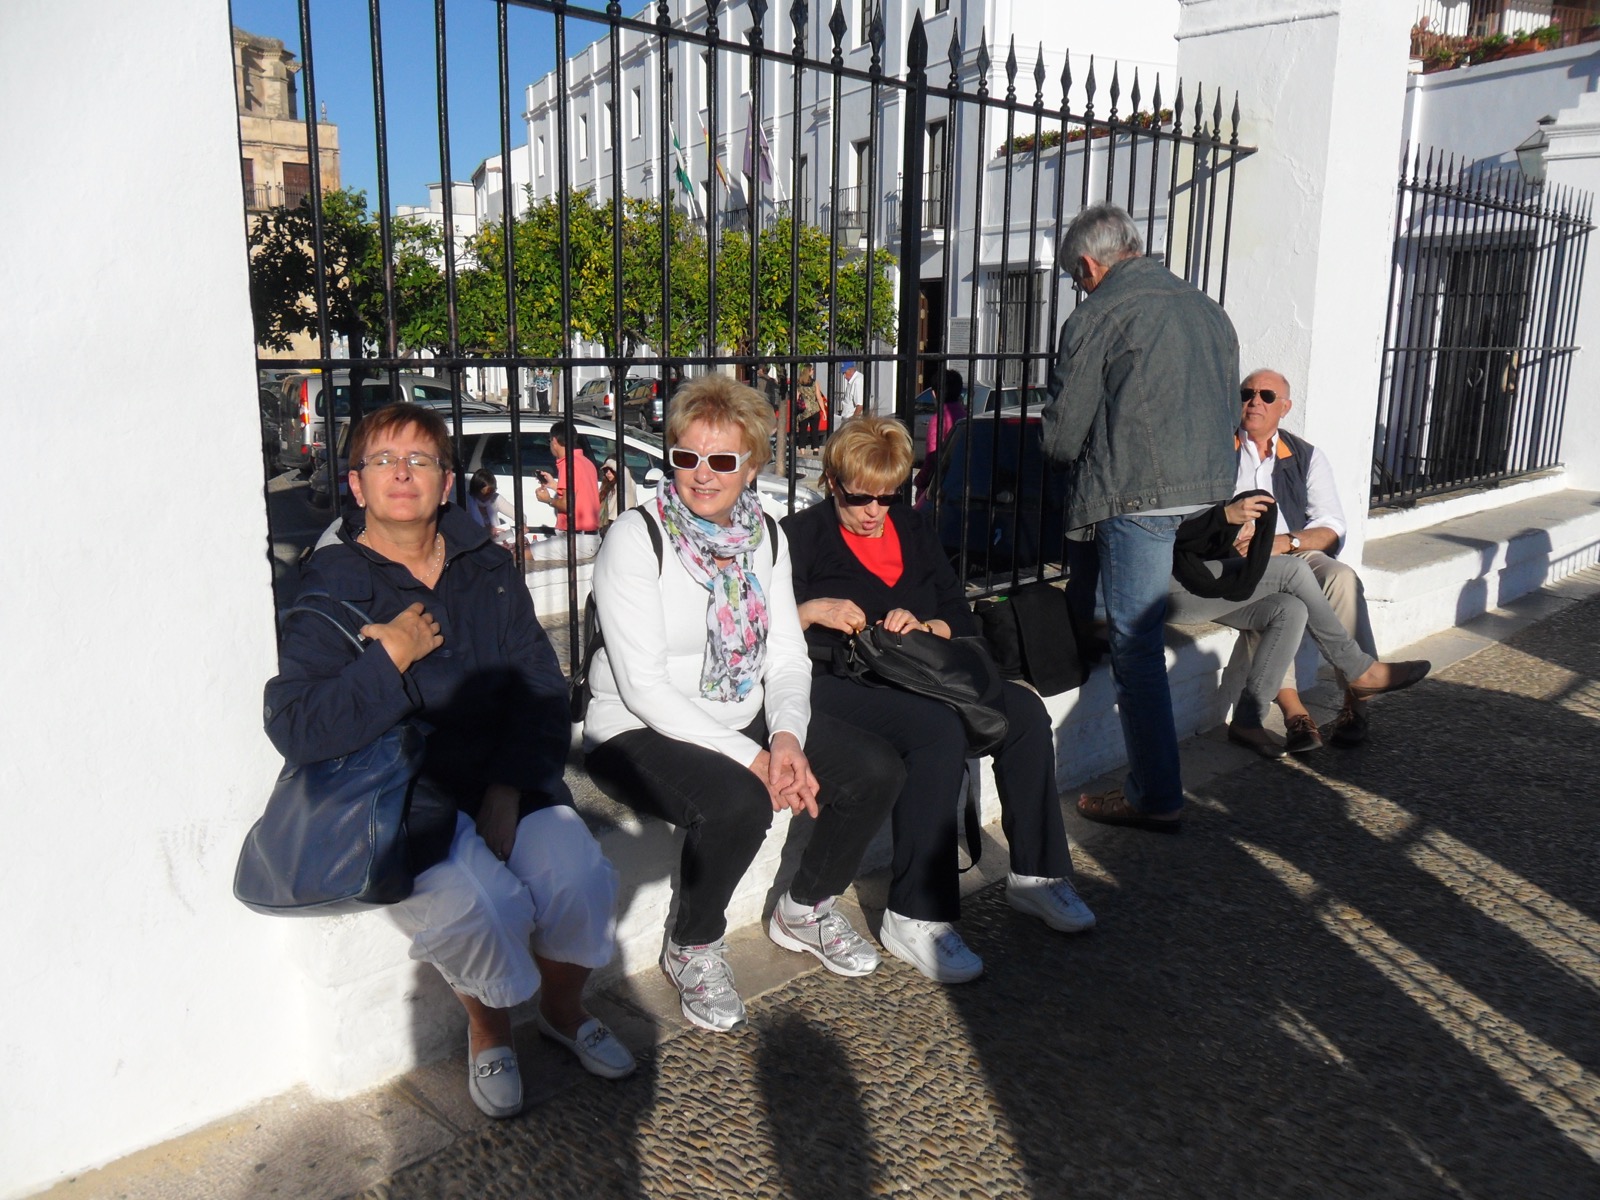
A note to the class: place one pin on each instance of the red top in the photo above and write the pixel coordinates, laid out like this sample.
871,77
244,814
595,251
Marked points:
585,503
880,555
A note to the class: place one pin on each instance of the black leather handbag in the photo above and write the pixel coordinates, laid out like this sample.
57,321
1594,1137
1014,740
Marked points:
333,837
958,672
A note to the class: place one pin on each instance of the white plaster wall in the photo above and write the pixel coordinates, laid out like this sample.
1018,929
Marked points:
1321,86
1572,160
140,998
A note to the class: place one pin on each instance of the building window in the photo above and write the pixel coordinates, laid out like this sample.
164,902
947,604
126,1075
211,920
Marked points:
605,126
250,200
583,137
940,6
636,113
938,146
541,157
1021,301
296,183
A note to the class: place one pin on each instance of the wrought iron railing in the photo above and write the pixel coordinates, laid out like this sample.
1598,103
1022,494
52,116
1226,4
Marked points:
1024,148
1483,309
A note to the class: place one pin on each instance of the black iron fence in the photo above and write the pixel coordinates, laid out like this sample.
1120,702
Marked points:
992,158
1483,309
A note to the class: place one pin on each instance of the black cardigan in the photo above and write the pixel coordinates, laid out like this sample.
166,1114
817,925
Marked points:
826,568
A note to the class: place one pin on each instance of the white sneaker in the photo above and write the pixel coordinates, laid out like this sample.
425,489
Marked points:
826,933
932,947
1054,901
705,984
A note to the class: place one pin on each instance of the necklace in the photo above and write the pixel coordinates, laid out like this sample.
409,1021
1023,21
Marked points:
435,560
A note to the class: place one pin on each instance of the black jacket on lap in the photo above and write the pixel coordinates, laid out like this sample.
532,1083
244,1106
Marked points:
1207,537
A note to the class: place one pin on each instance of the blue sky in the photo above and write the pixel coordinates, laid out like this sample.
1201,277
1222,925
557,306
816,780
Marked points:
341,43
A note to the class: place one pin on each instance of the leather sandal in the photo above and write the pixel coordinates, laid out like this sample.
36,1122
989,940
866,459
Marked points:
1112,808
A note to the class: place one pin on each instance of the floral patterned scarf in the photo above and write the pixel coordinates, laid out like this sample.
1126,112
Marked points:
736,616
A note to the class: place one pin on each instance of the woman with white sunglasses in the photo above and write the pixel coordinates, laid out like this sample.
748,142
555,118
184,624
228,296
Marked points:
700,709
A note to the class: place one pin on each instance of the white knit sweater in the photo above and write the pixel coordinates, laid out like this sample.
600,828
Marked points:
647,675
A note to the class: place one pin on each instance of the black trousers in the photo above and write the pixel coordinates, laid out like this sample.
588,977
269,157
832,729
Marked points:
725,811
928,735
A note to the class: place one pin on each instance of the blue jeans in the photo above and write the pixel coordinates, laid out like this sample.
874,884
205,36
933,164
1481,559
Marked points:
1135,565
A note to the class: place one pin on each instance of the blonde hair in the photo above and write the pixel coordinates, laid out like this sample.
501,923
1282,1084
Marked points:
871,452
722,401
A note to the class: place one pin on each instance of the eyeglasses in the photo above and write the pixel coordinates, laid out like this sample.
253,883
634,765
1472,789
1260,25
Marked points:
723,462
1268,396
416,461
862,499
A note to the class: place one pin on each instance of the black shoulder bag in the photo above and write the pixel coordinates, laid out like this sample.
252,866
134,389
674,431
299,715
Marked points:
958,672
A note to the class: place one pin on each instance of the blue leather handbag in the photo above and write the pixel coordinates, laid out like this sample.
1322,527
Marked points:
333,837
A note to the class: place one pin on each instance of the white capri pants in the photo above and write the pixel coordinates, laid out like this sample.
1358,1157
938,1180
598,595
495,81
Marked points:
475,917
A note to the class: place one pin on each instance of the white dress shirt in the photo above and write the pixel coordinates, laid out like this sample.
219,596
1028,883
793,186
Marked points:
1323,510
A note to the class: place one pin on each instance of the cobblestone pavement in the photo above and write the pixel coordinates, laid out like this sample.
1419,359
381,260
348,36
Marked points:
1372,973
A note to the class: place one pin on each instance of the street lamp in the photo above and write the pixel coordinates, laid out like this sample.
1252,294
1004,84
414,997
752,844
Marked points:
1530,153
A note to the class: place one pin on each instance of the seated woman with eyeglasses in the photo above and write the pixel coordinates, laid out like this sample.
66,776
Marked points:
700,710
866,559
512,894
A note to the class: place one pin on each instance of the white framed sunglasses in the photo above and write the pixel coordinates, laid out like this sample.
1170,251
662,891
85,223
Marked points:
723,462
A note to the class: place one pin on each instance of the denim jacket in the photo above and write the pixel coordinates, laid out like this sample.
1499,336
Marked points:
1144,397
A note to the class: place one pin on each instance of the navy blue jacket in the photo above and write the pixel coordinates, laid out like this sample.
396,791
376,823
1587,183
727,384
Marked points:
493,693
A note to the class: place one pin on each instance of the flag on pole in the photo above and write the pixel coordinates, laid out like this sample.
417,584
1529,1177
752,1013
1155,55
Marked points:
716,158
757,154
681,172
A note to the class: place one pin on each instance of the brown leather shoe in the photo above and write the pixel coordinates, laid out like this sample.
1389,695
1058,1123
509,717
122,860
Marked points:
1303,734
1349,728
1401,675
1263,741
1112,808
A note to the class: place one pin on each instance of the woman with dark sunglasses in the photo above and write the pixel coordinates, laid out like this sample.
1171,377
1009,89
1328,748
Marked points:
700,710
867,559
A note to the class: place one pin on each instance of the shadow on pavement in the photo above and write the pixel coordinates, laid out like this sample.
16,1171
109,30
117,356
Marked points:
1370,973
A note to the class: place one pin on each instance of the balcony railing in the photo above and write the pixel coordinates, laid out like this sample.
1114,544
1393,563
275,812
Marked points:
273,195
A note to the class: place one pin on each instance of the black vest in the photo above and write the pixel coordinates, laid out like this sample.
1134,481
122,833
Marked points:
1289,479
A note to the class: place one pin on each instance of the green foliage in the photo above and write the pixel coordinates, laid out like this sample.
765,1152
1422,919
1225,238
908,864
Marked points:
819,299
594,304
283,275
620,313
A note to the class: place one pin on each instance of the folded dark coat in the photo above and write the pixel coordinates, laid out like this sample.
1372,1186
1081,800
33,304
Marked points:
1208,537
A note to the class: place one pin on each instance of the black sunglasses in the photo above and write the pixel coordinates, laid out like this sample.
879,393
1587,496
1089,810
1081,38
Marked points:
862,499
1268,396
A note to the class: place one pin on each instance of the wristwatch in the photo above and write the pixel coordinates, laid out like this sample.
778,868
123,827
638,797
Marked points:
1294,543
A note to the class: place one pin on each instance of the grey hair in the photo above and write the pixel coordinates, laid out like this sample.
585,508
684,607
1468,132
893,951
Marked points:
1102,232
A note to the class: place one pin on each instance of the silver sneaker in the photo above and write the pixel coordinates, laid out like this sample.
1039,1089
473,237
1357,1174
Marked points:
827,934
932,947
1054,901
705,984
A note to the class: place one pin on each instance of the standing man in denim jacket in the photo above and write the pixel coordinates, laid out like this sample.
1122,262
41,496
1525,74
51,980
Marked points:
1142,411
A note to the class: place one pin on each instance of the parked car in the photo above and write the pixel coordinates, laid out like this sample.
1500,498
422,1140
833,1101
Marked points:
643,405
301,411
486,441
984,399
444,405
993,482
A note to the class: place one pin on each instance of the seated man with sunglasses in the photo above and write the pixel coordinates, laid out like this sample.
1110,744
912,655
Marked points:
1310,525
866,559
